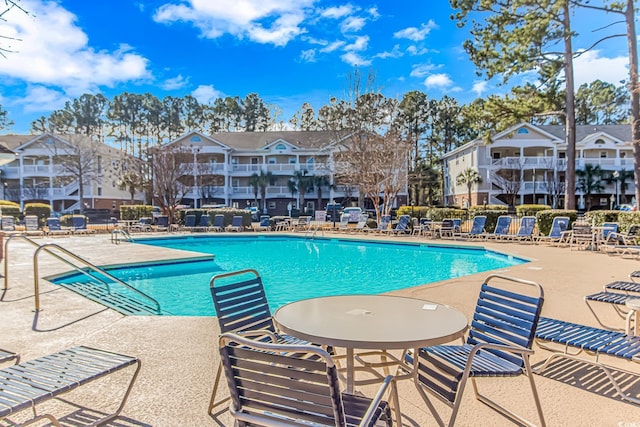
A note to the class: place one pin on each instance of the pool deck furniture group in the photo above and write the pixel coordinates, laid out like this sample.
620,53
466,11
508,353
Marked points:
164,395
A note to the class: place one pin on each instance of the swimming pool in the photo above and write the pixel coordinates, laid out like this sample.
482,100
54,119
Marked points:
295,268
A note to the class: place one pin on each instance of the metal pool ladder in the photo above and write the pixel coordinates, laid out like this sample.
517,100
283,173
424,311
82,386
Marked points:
101,292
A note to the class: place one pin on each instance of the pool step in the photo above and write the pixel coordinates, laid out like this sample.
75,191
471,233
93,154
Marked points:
118,301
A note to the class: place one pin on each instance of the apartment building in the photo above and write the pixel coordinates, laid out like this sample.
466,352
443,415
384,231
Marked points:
527,164
223,164
47,168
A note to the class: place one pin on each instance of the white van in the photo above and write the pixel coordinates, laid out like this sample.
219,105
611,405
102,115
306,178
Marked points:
353,213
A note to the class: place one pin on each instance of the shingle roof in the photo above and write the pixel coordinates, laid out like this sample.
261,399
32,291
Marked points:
257,140
621,132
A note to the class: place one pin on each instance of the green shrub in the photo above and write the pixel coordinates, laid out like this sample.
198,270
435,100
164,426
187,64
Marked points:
415,211
626,219
438,214
600,217
41,210
228,213
68,222
9,208
134,212
531,210
544,219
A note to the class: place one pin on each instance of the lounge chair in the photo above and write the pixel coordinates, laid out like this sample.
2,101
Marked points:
79,223
264,224
501,229
8,224
241,307
477,227
361,226
25,385
293,385
581,236
55,229
189,222
303,223
218,223
162,223
499,345
32,228
401,227
143,224
7,356
630,238
600,342
424,228
204,224
236,224
383,225
343,226
446,229
525,230
559,227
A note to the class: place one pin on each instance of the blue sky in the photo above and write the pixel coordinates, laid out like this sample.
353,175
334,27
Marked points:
286,51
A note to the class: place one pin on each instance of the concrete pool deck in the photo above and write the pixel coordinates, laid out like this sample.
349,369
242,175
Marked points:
179,354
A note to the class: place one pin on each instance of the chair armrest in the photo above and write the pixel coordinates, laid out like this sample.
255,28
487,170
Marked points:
389,381
507,348
258,333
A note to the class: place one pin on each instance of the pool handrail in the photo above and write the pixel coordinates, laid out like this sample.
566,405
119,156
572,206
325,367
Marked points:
88,264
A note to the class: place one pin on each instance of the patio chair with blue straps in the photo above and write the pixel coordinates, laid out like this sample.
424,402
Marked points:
218,223
558,231
79,223
525,230
275,384
402,227
241,307
236,224
502,228
264,224
477,227
55,229
499,345
190,222
162,223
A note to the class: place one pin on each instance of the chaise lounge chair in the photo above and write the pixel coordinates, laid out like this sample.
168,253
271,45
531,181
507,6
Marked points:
477,227
401,227
32,228
293,385
501,229
525,230
25,385
264,224
79,223
55,229
558,231
236,224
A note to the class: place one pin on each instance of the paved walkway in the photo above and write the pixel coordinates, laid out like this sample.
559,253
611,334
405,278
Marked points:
179,353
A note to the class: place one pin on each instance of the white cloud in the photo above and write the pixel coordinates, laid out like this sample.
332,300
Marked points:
175,83
416,51
337,12
438,81
591,66
359,44
394,53
422,70
42,99
333,46
308,55
479,87
373,11
241,18
354,59
352,23
206,94
53,50
415,34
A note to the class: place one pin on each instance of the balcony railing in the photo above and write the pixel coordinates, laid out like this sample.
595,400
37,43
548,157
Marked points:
550,163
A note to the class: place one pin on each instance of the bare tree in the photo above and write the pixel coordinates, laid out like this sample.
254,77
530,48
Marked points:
170,165
80,157
509,179
4,10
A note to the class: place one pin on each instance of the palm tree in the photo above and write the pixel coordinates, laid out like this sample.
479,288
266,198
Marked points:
132,182
264,179
590,181
319,181
304,182
468,177
291,184
254,182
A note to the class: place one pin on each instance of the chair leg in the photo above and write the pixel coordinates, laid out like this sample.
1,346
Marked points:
508,413
216,383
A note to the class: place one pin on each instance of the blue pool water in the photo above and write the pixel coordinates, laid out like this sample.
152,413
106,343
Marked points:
296,268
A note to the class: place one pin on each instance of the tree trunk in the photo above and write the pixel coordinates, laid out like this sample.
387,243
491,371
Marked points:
570,174
634,95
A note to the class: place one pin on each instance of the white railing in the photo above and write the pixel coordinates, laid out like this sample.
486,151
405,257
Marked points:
550,163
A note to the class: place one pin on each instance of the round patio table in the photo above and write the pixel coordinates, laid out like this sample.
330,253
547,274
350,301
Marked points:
381,322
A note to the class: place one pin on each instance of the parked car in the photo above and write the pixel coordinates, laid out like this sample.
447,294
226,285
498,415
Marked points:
353,213
331,208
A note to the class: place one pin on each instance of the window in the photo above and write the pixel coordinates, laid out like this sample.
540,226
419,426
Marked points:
281,147
234,160
562,155
195,138
271,160
235,183
603,154
99,164
272,205
496,155
623,154
99,191
292,160
599,141
523,131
